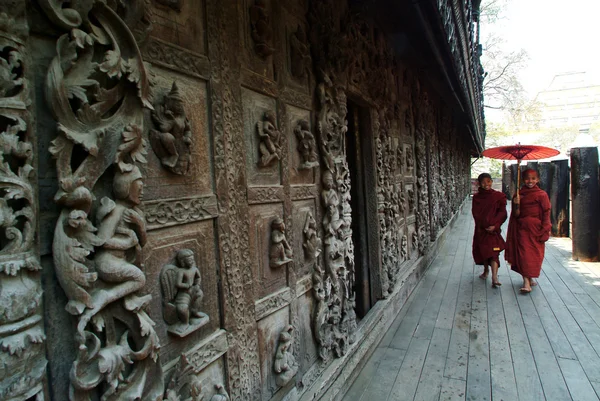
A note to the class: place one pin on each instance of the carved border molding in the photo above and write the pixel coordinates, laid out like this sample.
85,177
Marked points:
171,212
411,219
176,58
301,100
270,194
206,352
259,83
300,192
272,303
303,286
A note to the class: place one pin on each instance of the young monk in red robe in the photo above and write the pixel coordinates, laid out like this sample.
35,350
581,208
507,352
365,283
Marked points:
528,230
489,212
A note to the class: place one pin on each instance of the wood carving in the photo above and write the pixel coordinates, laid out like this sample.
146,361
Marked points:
285,365
307,145
182,295
271,139
261,30
281,252
300,54
312,242
173,139
173,4
185,385
97,87
22,338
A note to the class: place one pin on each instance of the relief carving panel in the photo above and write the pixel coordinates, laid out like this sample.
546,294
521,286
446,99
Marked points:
188,250
262,138
179,163
270,259
303,151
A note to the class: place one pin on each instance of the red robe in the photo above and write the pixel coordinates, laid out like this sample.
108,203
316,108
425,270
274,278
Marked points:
527,234
489,209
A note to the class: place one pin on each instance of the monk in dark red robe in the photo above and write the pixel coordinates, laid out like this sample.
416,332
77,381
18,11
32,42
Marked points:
489,212
528,230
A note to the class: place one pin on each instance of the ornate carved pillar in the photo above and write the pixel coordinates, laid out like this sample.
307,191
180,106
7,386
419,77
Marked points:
22,338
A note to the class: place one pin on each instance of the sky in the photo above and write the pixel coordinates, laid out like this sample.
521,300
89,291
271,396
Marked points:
559,36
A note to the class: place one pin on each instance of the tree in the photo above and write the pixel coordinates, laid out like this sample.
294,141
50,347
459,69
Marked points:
502,88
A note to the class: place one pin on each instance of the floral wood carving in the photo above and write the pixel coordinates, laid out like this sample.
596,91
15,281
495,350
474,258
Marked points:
170,212
185,385
285,365
307,145
97,87
173,139
260,28
301,61
182,295
22,338
271,139
281,252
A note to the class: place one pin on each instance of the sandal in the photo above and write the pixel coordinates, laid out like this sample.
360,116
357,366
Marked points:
525,290
496,284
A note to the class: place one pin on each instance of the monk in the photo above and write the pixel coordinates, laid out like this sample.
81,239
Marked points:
489,212
528,230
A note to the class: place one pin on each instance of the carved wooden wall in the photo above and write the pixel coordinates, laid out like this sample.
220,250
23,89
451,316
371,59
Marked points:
176,179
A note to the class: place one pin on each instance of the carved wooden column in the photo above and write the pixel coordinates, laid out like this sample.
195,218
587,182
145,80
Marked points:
585,196
243,364
21,323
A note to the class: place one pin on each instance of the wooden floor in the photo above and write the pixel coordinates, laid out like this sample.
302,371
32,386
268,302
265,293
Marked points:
459,339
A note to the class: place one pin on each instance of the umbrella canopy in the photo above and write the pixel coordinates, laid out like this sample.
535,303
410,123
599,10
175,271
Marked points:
520,152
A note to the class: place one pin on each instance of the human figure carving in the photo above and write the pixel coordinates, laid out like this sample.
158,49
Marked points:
261,30
281,252
410,160
307,145
270,139
332,221
312,243
299,53
172,141
182,294
285,365
122,231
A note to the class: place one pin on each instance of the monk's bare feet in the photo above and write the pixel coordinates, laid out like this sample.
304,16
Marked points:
526,288
495,282
485,273
533,283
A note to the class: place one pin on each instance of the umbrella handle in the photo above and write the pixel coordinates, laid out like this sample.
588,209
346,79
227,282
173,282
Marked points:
518,177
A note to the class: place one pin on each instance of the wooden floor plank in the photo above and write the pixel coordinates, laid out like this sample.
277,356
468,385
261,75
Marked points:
583,350
558,340
430,383
504,386
549,372
453,390
361,383
407,379
478,371
528,382
580,388
385,375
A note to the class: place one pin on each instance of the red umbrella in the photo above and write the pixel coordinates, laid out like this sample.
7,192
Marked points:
520,152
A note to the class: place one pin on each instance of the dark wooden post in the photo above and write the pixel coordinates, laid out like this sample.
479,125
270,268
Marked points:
586,203
506,179
559,198
546,172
